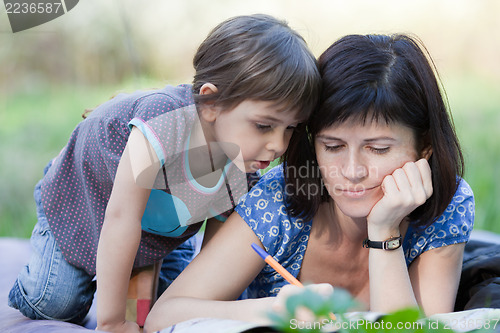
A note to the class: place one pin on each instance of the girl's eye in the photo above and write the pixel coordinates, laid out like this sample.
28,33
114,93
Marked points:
379,150
262,127
291,128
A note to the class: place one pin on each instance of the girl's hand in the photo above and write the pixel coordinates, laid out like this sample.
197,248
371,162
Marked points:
406,189
124,327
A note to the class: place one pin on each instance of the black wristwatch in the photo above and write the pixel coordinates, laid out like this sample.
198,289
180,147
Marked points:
392,243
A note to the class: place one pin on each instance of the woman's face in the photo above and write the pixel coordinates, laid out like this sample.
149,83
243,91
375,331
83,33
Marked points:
354,158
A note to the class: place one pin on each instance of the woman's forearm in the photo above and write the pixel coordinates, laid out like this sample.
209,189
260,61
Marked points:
390,285
174,310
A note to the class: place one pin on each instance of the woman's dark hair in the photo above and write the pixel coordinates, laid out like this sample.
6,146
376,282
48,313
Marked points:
257,57
383,79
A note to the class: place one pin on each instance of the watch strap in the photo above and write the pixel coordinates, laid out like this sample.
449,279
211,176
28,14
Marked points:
392,243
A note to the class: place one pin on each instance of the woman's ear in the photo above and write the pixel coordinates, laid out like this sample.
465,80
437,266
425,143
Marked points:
426,152
207,110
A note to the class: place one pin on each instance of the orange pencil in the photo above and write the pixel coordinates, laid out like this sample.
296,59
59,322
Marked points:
276,265
280,269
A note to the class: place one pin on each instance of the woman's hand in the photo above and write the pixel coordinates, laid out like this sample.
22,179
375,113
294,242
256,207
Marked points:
404,190
302,313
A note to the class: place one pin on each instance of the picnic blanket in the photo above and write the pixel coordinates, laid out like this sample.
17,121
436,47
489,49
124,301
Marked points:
15,253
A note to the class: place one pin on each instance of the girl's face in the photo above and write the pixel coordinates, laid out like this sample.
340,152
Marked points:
354,158
260,130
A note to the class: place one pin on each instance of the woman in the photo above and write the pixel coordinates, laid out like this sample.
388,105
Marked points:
370,199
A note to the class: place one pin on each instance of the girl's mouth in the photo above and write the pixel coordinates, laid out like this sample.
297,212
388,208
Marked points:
263,164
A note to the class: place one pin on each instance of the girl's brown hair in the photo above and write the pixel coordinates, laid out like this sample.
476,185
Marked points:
257,57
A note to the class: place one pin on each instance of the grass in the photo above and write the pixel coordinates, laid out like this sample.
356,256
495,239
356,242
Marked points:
475,104
36,125
33,129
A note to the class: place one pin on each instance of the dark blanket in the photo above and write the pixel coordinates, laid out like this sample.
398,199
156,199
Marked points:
480,280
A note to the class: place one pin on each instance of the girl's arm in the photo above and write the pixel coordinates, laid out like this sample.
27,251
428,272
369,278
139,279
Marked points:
121,235
210,284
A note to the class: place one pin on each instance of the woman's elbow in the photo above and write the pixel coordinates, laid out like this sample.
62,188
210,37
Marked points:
161,316
152,324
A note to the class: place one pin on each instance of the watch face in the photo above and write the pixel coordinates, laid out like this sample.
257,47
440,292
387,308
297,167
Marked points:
393,244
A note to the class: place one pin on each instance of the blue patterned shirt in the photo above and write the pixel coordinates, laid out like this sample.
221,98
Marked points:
285,237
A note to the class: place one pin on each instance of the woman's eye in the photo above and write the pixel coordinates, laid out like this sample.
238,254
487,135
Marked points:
333,148
377,150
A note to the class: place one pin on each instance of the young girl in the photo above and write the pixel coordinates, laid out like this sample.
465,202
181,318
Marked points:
370,199
162,159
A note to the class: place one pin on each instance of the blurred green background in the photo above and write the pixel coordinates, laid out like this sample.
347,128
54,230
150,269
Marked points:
51,73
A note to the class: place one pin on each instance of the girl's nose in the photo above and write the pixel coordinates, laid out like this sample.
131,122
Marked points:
278,142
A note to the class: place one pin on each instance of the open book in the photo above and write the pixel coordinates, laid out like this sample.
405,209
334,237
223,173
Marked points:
463,321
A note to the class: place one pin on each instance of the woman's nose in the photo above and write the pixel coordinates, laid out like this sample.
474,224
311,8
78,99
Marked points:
354,168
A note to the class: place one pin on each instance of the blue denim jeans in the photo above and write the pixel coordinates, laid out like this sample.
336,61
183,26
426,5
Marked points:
48,287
